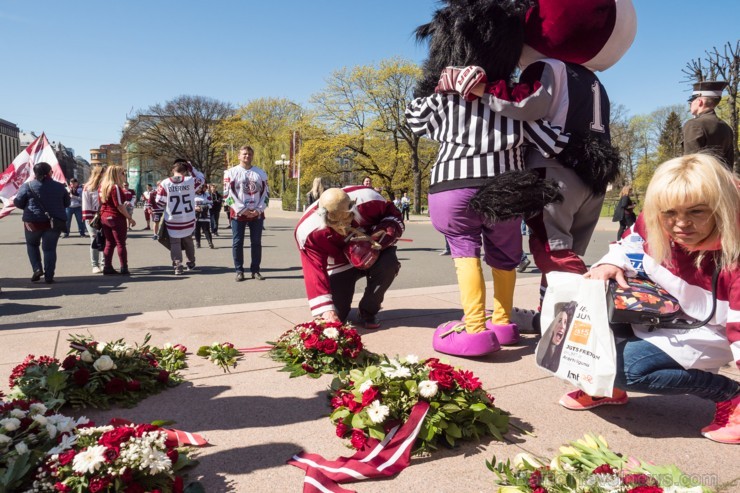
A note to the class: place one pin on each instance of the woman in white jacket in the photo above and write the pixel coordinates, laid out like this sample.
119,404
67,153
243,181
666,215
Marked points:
90,205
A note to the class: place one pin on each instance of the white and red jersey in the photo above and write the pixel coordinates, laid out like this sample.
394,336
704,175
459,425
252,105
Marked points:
90,203
322,248
176,195
145,197
245,189
706,348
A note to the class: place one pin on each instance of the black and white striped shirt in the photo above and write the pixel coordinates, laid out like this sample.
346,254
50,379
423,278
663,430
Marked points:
476,143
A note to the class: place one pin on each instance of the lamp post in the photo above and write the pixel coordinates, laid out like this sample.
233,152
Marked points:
283,164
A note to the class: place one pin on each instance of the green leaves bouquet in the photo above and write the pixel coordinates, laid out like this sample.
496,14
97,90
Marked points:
588,465
94,374
222,354
319,347
369,401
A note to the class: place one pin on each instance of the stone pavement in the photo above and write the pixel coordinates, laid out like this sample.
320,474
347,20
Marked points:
256,417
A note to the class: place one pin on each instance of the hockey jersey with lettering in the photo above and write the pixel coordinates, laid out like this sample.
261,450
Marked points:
176,195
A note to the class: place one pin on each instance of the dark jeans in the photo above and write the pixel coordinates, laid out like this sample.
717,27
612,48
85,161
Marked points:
214,219
47,240
379,278
77,213
643,367
206,228
255,242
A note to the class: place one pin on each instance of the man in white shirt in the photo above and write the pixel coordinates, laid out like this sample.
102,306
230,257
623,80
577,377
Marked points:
246,192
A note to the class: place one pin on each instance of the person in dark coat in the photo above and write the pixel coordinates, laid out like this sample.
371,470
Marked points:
624,212
706,132
42,199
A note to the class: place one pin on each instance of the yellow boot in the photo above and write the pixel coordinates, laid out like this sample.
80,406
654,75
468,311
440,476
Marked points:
504,282
468,338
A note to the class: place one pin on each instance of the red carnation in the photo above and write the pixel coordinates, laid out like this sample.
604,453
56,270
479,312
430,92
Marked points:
342,430
336,402
111,454
227,345
62,487
358,439
308,368
115,386
115,437
66,457
466,380
133,385
144,428
163,376
69,362
540,489
173,454
135,488
81,376
443,378
604,469
646,489
127,476
97,485
534,479
329,346
369,396
311,341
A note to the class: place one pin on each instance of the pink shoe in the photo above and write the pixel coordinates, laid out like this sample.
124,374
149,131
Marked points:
578,400
725,427
507,335
452,338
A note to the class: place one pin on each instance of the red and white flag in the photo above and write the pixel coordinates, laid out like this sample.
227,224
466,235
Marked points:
377,460
21,171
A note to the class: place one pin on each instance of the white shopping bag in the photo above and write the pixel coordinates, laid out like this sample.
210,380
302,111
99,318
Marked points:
577,344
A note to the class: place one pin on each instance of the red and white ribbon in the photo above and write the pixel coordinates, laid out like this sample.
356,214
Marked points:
255,349
175,438
376,460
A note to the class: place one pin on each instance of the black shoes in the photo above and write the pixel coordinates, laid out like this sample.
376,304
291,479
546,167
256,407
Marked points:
124,271
110,271
369,321
239,276
49,281
258,276
210,245
37,275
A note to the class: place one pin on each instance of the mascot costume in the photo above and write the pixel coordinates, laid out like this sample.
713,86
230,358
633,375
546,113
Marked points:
488,132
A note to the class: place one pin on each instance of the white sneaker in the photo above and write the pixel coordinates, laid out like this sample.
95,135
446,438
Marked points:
96,270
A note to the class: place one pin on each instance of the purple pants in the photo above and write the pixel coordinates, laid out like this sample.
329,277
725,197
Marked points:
115,231
464,229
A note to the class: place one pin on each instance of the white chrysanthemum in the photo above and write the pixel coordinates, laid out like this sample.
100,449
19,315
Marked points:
100,347
66,443
428,388
10,424
157,462
89,460
21,448
412,359
377,412
94,430
61,422
167,345
331,332
38,407
4,439
366,385
17,413
86,356
40,419
104,363
51,430
401,372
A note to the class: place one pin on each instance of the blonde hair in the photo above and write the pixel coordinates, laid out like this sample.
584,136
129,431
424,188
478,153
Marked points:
96,175
689,180
625,190
111,177
318,187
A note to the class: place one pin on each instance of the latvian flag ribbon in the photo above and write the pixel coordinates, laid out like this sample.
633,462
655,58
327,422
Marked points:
21,171
376,460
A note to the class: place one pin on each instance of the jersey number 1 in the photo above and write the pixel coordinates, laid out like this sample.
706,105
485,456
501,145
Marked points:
597,125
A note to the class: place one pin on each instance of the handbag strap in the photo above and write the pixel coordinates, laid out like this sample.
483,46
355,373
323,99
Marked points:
41,202
699,323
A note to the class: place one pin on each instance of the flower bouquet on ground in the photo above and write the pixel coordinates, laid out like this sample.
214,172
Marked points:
319,347
28,430
171,357
223,354
127,457
95,374
369,401
588,465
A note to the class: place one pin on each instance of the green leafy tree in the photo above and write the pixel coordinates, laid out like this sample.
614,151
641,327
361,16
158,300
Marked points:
182,127
670,140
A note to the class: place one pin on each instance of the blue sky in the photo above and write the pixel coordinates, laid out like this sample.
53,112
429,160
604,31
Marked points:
77,68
